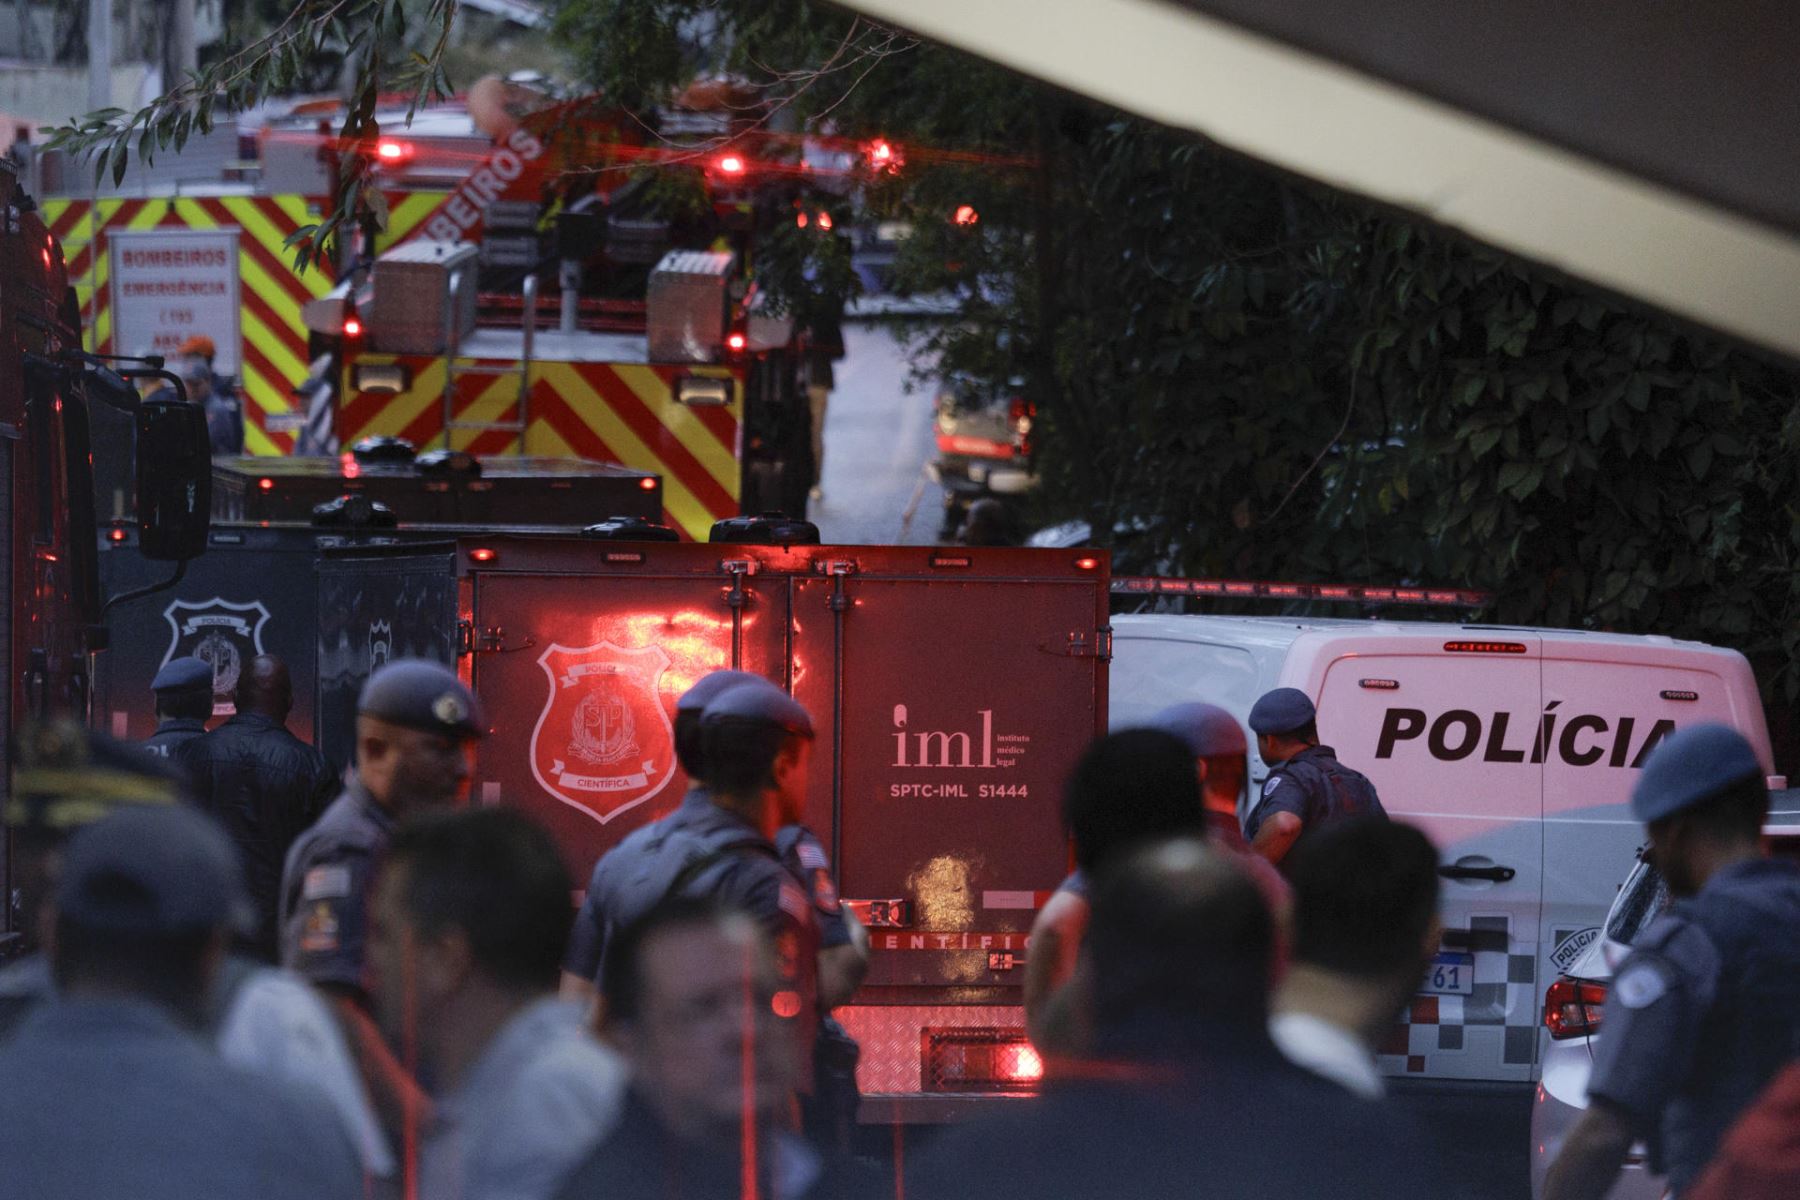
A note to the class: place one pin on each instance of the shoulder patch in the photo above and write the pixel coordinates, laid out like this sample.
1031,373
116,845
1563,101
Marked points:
319,931
326,883
794,902
1640,986
1273,783
811,855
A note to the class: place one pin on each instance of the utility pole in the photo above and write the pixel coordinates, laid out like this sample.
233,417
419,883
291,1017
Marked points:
100,54
23,9
180,55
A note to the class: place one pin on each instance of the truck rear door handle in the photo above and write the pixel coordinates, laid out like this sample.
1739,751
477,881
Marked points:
1496,874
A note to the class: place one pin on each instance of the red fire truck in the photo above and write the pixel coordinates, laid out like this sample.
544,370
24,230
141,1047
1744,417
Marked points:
51,608
952,690
552,307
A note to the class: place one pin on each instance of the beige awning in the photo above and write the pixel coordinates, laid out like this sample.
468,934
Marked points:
1651,149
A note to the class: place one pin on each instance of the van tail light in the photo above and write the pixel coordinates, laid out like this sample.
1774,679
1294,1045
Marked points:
1572,1008
980,1060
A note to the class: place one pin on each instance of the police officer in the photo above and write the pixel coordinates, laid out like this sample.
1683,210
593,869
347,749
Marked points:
184,700
757,744
581,964
416,725
1706,1008
265,785
1307,785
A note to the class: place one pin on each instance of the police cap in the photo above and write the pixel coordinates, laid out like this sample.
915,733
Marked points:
155,872
696,698
759,701
184,675
66,776
1208,730
1693,766
1282,711
417,693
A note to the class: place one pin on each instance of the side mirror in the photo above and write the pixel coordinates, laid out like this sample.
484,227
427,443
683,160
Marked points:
174,480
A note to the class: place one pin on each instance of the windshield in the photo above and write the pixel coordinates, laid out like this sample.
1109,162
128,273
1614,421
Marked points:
1643,897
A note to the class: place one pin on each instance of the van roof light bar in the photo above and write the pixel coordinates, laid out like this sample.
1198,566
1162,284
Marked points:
1349,593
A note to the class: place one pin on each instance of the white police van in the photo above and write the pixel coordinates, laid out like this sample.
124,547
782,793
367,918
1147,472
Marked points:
1514,749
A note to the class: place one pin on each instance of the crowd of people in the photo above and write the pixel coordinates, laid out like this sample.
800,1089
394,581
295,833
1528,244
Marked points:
255,979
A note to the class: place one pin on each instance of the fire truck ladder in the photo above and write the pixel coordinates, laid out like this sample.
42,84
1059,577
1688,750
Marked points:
521,418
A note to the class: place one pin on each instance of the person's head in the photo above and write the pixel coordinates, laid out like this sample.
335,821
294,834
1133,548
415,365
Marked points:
1366,901
1131,787
684,989
1703,799
470,905
1179,936
758,741
66,777
265,689
690,750
1285,723
184,689
197,375
416,727
198,346
1217,742
145,902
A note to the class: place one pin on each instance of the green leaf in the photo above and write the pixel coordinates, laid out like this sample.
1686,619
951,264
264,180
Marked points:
1699,458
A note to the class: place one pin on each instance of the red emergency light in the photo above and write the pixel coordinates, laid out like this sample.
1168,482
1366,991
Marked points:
883,156
1087,564
1485,647
389,151
482,554
648,483
731,164
980,1060
825,221
116,535
736,342
352,327
1355,593
1573,1008
966,215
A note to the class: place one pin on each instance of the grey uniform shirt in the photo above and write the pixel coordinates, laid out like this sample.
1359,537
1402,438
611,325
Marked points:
325,889
110,1098
535,1103
266,1021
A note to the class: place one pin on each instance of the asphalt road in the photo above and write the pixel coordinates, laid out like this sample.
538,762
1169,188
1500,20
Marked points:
878,438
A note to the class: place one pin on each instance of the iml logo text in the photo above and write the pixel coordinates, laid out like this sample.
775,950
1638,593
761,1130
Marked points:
942,747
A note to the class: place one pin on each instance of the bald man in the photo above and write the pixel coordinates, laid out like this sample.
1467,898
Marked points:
265,785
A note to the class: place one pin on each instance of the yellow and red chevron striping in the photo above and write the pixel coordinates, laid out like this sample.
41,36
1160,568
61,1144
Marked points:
614,412
271,292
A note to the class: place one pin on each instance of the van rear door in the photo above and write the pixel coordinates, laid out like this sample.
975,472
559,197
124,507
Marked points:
1445,726
1611,702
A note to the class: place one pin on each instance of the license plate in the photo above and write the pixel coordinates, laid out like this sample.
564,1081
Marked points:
1450,974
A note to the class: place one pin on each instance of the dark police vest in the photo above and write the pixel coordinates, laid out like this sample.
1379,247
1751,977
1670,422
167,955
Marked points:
1332,790
173,732
1752,916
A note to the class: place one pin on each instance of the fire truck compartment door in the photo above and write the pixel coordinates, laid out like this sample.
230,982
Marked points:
963,708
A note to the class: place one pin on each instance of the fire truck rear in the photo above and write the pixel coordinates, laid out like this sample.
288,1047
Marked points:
549,319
